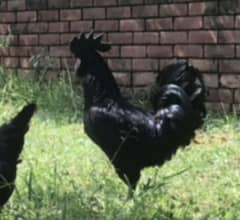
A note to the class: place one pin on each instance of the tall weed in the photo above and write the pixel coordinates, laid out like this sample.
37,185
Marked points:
55,97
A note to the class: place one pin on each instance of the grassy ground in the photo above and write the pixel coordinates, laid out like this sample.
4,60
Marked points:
65,176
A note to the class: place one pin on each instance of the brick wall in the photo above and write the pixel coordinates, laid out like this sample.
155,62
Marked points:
145,34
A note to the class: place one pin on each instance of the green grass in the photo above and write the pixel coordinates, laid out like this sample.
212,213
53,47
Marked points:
65,176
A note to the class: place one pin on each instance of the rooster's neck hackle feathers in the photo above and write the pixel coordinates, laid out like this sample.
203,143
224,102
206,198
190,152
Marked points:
98,81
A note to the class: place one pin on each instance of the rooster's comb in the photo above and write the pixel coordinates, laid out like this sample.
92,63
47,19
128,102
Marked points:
86,42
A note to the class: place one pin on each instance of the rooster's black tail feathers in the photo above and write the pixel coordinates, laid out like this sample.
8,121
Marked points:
190,80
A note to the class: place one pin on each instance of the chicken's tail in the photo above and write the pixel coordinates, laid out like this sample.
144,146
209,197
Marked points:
21,120
12,134
189,79
11,144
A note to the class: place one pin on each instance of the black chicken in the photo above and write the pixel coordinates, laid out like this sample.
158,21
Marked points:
131,137
11,144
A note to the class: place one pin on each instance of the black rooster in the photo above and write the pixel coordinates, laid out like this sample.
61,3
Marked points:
11,144
131,137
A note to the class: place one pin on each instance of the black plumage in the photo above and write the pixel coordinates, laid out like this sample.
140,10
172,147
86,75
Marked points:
131,137
11,144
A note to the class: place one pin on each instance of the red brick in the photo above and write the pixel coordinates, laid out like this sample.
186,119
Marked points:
50,15
119,12
19,51
49,39
237,22
3,6
145,65
58,4
37,5
230,81
16,5
219,22
236,108
120,64
203,37
217,51
120,38
173,37
56,27
68,63
26,16
66,38
146,38
228,7
238,51
229,66
80,3
25,63
173,10
218,107
37,27
211,80
19,28
145,11
237,96
50,61
220,95
202,8
130,2
70,14
11,62
36,50
9,40
133,51
123,79
186,23
105,2
13,40
7,17
94,13
106,25
28,40
229,36
205,65
81,26
143,78
5,29
132,25
159,51
60,51
188,51
159,24
114,52
4,51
